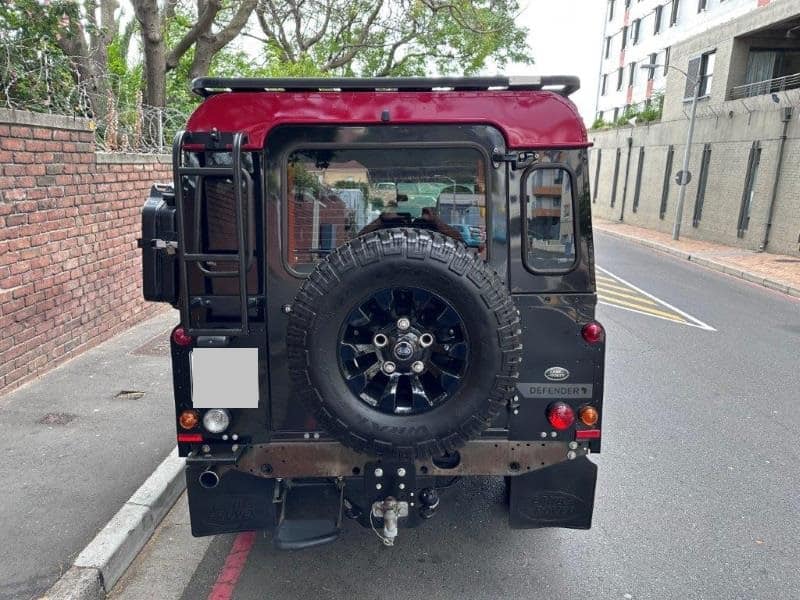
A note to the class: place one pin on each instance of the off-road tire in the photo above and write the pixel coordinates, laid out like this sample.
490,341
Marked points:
396,258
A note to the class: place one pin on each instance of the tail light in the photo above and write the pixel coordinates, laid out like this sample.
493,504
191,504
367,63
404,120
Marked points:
181,338
560,415
593,333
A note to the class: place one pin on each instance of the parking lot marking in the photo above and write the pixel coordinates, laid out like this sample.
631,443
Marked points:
225,585
615,291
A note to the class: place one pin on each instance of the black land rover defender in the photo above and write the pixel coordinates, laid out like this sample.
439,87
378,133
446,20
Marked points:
384,284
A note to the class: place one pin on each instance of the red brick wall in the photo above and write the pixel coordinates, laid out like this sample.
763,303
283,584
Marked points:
69,217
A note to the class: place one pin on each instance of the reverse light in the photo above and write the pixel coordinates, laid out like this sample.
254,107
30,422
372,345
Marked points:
593,333
189,419
560,415
181,338
588,415
216,420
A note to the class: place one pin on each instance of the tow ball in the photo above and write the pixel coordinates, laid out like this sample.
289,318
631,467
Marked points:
390,510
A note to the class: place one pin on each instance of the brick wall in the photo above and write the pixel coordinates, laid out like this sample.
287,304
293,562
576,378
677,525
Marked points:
70,271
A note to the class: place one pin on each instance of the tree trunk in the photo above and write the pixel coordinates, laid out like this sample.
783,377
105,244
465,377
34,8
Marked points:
155,53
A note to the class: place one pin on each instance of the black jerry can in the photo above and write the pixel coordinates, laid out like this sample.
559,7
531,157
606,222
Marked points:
159,243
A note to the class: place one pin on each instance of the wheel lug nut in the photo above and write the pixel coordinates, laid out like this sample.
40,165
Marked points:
389,367
380,340
425,340
418,366
403,324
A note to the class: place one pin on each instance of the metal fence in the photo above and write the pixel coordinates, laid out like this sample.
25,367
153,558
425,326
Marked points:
43,81
768,86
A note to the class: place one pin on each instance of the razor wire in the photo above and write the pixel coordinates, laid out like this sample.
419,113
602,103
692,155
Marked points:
40,80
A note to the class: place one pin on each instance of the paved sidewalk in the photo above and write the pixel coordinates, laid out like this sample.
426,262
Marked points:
775,271
77,442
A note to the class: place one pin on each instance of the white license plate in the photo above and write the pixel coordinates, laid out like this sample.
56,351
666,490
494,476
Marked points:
224,377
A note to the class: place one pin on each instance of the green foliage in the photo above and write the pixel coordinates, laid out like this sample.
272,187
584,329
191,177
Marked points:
648,113
600,123
34,72
652,112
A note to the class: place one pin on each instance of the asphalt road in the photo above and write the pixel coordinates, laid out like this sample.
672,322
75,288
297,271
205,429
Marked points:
698,495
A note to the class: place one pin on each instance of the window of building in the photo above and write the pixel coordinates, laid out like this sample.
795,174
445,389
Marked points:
608,47
624,37
597,171
667,51
616,169
616,114
632,73
700,68
665,185
549,220
673,17
635,31
603,85
749,188
701,185
707,72
627,3
638,187
657,18
610,10
336,194
702,5
619,78
651,72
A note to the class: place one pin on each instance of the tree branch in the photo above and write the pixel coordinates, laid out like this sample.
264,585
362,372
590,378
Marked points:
201,26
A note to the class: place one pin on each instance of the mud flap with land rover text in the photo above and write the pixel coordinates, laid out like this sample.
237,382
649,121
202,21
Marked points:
558,496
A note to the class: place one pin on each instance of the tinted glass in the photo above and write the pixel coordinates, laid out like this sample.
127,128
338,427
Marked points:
550,230
335,195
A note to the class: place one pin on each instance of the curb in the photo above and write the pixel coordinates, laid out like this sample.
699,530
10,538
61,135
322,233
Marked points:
772,284
101,564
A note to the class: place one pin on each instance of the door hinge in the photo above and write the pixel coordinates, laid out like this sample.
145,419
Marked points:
517,160
168,246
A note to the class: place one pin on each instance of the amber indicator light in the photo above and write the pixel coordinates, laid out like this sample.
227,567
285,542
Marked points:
588,415
189,419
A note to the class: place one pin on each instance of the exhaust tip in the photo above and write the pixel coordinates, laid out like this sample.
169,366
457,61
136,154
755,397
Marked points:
209,480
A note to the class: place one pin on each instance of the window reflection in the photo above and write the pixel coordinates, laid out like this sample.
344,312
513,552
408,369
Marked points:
550,232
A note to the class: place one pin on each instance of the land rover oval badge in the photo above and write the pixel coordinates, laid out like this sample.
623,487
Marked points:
556,374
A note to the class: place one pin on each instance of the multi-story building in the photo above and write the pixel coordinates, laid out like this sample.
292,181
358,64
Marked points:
639,32
744,188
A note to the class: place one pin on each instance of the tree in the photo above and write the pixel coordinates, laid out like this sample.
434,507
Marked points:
204,35
390,37
66,35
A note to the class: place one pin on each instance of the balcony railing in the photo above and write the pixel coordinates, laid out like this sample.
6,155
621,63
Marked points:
768,86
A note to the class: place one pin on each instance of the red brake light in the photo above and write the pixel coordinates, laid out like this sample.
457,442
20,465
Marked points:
593,332
192,438
560,415
181,338
587,434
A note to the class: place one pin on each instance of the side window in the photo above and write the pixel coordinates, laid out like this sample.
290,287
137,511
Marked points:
549,228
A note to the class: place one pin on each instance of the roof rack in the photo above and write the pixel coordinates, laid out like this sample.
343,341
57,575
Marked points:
208,86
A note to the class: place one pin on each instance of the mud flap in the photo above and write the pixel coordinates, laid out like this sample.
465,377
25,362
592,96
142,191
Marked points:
558,496
239,503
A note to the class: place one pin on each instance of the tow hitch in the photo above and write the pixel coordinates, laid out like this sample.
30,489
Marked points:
389,510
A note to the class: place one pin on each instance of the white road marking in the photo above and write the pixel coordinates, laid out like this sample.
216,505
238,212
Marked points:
694,322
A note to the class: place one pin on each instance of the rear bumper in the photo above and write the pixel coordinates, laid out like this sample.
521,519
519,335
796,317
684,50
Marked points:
549,484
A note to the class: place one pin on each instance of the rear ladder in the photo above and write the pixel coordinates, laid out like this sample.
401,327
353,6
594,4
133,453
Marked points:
243,257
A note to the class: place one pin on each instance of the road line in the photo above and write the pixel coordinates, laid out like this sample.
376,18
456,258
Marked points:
227,579
646,310
603,291
647,314
614,286
694,321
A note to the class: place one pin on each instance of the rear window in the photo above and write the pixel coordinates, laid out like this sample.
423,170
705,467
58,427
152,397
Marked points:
335,195
549,220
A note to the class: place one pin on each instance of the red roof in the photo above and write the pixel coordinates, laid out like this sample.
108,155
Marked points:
529,119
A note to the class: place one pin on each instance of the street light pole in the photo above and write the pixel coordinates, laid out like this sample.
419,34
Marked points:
676,228
684,174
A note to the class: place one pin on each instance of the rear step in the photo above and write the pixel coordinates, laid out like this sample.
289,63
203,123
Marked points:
311,515
243,257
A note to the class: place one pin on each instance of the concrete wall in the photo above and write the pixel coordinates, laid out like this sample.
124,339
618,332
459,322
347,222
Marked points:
730,139
70,273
